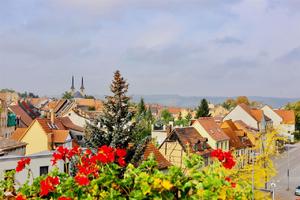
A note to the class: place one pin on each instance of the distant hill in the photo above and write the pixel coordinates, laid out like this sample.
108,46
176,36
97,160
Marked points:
193,101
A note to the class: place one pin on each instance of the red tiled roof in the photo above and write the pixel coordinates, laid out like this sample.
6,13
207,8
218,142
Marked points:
288,116
236,135
60,136
24,117
46,124
212,128
69,124
7,144
242,125
17,134
162,162
258,115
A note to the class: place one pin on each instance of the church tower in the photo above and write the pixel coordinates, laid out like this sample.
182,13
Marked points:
72,86
82,88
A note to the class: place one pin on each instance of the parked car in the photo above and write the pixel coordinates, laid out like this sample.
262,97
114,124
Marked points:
297,191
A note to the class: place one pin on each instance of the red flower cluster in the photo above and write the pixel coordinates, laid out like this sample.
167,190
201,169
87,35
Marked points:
228,179
20,197
82,180
64,154
225,158
48,185
89,163
22,163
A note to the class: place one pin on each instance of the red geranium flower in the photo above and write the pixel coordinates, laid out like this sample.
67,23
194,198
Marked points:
61,153
82,179
233,185
20,197
224,157
121,152
122,162
48,185
228,179
64,198
22,163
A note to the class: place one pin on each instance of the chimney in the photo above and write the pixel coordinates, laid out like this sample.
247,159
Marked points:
52,116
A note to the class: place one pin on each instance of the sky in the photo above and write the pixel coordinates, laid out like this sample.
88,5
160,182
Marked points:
184,47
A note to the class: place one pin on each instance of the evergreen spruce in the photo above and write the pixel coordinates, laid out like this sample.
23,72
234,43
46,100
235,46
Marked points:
141,107
114,127
203,109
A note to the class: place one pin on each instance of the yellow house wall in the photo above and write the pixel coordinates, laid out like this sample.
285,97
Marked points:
173,152
36,139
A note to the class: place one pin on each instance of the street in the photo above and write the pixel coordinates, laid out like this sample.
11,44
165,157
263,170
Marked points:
281,180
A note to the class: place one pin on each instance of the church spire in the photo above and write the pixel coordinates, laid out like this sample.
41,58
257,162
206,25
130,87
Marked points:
72,86
82,86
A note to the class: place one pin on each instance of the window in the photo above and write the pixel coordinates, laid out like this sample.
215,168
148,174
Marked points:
44,170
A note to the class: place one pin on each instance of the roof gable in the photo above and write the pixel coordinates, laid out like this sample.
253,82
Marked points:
288,116
162,162
212,128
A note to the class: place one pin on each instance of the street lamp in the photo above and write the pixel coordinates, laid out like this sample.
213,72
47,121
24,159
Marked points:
273,185
253,157
288,167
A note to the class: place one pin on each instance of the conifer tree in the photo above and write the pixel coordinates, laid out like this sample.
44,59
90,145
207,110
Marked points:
203,109
141,107
114,127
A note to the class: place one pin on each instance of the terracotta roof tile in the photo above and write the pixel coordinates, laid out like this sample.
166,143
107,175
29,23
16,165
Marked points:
212,128
69,124
288,116
60,136
162,162
237,136
6,144
97,104
257,114
46,125
17,134
24,117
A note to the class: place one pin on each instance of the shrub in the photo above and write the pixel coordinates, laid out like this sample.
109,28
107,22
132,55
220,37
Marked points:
105,175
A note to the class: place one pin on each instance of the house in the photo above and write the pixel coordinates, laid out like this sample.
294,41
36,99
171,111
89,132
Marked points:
283,120
252,117
218,111
152,150
40,164
239,142
47,134
208,128
89,104
23,119
252,134
11,147
9,97
160,133
5,130
182,141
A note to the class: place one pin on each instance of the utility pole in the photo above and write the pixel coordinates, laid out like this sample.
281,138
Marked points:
253,157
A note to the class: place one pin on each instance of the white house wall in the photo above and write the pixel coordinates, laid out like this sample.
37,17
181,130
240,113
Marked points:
76,119
272,115
9,163
239,113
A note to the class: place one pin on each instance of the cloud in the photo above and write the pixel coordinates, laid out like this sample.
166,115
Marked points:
293,56
227,47
229,40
